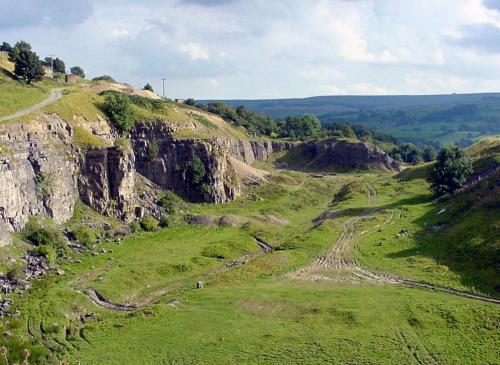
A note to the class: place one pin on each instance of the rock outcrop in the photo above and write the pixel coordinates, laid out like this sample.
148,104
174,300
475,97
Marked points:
106,181
339,154
175,163
38,172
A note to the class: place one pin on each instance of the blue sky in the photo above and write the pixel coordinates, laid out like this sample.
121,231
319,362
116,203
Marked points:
269,48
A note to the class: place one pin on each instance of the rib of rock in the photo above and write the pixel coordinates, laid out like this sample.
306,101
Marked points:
106,181
37,172
341,154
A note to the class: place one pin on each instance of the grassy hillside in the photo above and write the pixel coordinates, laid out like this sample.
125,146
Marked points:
261,311
427,118
15,95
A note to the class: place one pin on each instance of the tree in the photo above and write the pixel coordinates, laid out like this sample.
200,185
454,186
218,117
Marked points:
190,102
118,108
148,87
18,48
5,47
451,170
78,71
28,67
59,66
429,154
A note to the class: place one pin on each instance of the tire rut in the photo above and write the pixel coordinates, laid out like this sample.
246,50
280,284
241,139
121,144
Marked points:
338,264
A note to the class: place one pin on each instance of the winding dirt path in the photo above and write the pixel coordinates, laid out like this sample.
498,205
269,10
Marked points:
55,95
101,301
339,264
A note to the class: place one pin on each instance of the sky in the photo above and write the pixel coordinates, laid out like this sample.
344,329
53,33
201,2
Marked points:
232,49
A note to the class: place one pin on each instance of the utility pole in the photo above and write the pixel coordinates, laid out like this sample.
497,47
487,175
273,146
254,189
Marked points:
163,80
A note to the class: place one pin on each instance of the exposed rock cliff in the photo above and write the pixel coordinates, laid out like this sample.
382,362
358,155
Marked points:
38,171
106,181
339,154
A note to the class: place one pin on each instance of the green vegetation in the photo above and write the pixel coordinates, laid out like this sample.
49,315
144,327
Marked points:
149,224
255,312
84,235
104,78
426,119
148,87
41,232
451,170
118,108
196,170
78,71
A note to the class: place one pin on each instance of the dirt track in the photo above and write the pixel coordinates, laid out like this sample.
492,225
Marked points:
338,264
55,95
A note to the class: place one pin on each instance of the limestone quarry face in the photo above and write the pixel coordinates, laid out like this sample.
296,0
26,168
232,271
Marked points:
38,172
43,171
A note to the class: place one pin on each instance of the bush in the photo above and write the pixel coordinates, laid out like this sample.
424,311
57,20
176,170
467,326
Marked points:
48,252
451,170
42,233
149,224
104,78
196,170
118,108
153,149
148,87
84,235
169,202
135,227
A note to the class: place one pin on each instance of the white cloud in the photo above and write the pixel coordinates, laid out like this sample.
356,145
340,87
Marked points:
195,51
272,48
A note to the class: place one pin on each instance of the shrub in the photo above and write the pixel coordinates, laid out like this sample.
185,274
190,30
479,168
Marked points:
104,78
148,87
84,235
451,170
196,170
118,108
44,234
170,202
153,149
48,252
135,227
149,224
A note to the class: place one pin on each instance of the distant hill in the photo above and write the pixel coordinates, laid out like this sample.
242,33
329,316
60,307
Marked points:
435,119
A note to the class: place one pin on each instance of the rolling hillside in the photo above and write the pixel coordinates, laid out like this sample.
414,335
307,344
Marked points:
435,119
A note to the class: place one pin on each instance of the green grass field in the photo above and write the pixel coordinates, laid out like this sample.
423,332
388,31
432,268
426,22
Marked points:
255,313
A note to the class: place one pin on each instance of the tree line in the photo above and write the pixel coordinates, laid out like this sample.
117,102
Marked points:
27,65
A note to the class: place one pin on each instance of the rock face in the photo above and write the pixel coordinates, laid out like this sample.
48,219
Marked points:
106,181
43,171
173,164
38,172
341,155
